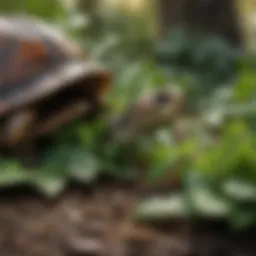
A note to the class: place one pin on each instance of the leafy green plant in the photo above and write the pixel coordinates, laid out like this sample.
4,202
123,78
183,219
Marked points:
220,178
211,60
218,170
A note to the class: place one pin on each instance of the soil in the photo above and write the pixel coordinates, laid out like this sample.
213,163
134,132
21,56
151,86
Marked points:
98,221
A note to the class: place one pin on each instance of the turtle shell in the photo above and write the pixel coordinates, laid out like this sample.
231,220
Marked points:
38,60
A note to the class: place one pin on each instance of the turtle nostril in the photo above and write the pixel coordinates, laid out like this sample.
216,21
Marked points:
162,98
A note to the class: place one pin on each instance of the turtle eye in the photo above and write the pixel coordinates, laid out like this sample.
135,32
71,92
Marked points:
162,98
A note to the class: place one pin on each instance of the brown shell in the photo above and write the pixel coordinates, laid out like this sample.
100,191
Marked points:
36,59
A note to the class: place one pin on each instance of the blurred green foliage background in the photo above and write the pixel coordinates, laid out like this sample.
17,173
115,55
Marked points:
218,175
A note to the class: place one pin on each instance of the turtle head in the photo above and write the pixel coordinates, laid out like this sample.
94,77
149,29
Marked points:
148,113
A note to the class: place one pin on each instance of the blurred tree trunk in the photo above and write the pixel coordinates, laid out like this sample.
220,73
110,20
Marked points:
217,17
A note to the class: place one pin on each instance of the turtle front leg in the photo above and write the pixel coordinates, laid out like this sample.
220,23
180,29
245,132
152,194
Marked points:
18,136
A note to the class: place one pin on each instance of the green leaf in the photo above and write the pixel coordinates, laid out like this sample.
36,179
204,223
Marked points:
246,87
48,184
240,190
208,204
11,173
162,208
243,218
84,167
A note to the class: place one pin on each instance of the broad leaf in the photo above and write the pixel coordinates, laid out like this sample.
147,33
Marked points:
157,208
240,190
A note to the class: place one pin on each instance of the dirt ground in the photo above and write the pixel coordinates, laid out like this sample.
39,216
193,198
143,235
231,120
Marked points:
98,221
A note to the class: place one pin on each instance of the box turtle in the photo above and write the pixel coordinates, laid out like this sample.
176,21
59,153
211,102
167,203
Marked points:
46,81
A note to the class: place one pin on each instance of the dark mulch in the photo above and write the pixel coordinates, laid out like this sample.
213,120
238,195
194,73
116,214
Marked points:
98,221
